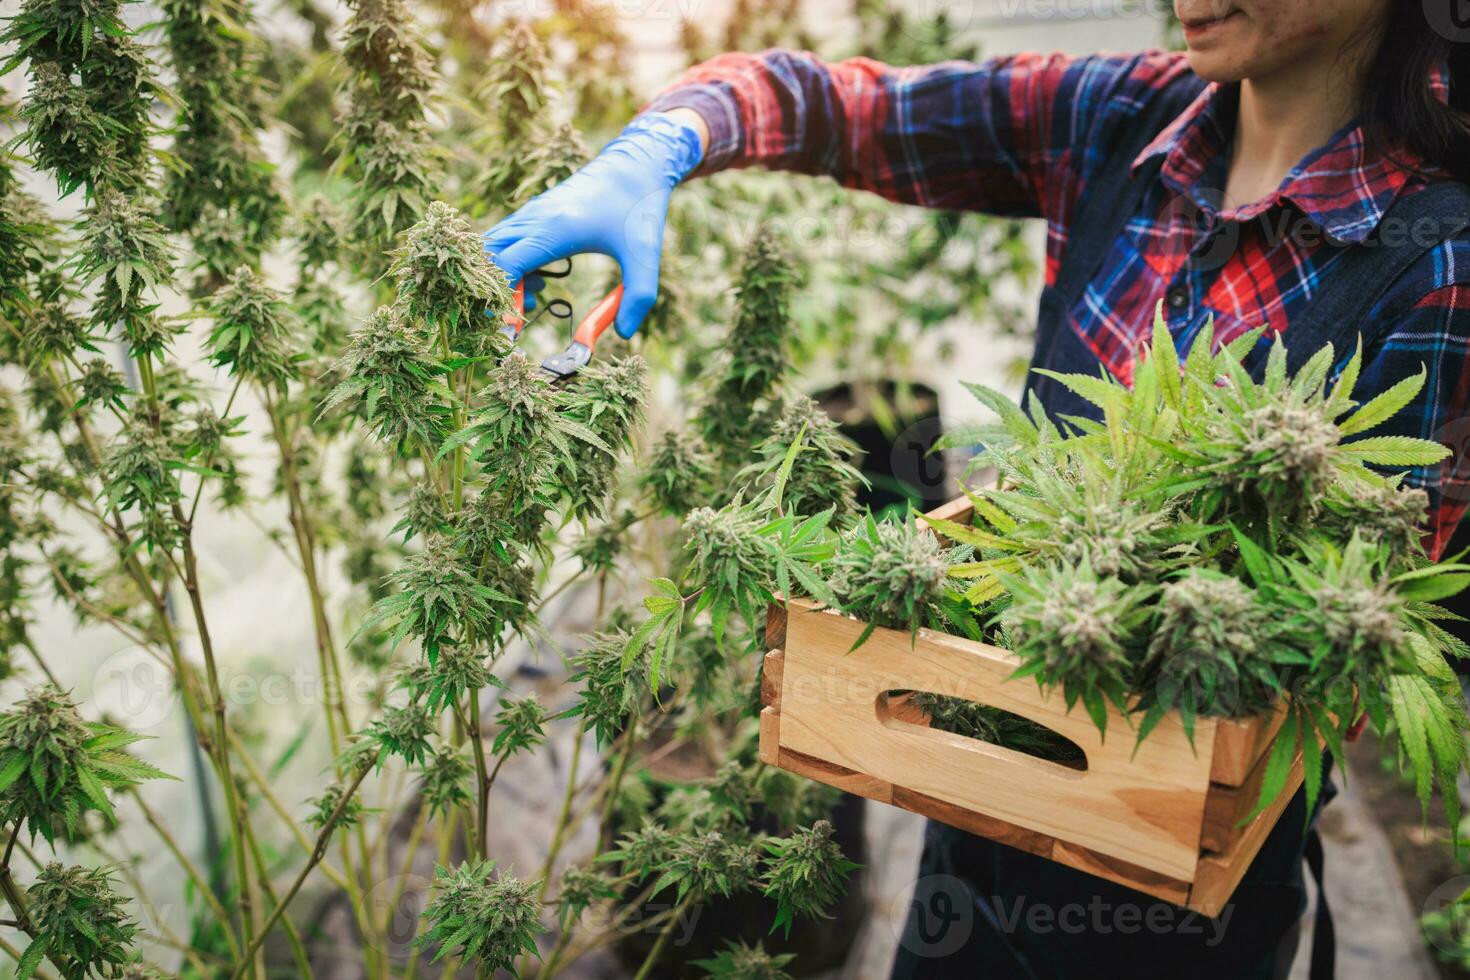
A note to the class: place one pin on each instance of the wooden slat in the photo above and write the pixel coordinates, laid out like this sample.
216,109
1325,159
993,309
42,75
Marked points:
775,626
1241,742
1128,875
958,511
974,823
847,780
1227,806
770,743
1142,808
1218,874
771,670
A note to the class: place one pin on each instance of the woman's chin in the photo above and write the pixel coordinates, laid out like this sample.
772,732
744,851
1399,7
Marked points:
1218,65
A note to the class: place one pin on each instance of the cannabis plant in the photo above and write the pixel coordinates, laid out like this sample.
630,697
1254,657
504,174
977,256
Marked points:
1197,550
265,322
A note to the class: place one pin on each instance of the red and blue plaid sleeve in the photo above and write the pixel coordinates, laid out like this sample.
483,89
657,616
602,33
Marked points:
1433,332
1014,136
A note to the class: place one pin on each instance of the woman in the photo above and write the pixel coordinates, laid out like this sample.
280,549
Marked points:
1303,166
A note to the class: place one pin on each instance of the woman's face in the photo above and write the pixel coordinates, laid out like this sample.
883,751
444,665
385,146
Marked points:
1232,40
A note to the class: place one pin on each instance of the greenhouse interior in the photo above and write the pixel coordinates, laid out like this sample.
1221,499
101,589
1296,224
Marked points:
737,489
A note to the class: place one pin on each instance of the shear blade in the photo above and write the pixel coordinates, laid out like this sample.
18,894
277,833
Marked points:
559,367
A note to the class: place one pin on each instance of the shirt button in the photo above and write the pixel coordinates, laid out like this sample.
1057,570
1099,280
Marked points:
1177,298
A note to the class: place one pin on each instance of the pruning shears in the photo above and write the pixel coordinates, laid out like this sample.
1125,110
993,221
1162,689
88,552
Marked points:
560,367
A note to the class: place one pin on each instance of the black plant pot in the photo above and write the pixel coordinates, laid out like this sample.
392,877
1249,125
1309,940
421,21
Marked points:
898,459
820,945
902,470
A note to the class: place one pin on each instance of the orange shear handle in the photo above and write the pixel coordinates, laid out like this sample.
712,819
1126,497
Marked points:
595,324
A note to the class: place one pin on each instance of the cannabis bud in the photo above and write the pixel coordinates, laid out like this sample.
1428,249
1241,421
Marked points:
1359,620
492,917
388,372
446,282
407,731
1289,443
645,851
726,547
580,887
253,328
522,724
822,474
444,781
66,134
553,159
889,574
79,921
140,470
710,863
679,473
439,600
607,402
54,767
126,253
609,692
51,330
1209,646
323,806
1380,512
389,151
1072,627
806,873
729,420
741,962
1113,537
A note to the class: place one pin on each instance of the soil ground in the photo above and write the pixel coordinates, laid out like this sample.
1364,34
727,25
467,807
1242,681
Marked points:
1424,860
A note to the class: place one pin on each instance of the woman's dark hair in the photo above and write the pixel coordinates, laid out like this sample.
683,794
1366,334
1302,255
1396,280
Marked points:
1401,111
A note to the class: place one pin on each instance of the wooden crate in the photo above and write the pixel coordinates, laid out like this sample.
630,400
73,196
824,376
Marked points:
1164,819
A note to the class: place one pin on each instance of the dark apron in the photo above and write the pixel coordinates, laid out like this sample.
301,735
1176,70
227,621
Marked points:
983,910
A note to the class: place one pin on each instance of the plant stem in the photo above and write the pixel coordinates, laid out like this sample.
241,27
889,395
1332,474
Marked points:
462,729
7,883
298,951
263,786
317,853
239,817
334,692
566,584
663,938
199,490
482,777
334,688
559,834
406,866
446,841
190,870
25,641
604,835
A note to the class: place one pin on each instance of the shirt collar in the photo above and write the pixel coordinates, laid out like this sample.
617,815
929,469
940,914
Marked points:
1345,186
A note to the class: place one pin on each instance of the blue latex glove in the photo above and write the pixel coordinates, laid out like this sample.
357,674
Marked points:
616,205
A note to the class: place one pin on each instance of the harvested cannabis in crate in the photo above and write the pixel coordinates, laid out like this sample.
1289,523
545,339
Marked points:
1193,551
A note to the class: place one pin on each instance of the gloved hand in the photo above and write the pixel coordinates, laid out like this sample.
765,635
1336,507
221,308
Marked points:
616,205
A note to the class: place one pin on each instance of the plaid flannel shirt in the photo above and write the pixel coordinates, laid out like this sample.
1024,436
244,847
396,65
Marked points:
1022,136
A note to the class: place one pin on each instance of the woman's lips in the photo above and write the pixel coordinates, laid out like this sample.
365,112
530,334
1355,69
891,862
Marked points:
1198,29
